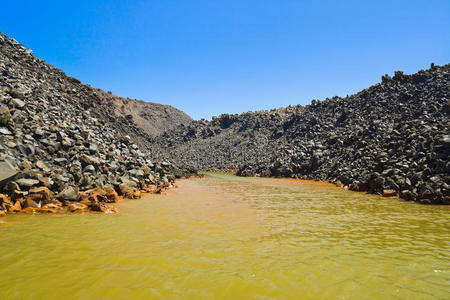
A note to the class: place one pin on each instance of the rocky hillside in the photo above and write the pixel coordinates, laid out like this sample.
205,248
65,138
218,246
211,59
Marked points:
60,146
153,118
392,138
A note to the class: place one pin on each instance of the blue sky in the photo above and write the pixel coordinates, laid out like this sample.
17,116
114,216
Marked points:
213,57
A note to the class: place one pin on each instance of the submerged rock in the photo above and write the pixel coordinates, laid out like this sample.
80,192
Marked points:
103,208
76,207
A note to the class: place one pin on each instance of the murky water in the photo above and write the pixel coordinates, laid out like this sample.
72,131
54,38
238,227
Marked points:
224,237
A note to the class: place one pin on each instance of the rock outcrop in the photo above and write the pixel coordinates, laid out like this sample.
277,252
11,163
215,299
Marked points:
153,118
392,139
59,142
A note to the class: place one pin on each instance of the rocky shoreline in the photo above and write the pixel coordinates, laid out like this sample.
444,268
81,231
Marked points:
62,148
390,139
42,201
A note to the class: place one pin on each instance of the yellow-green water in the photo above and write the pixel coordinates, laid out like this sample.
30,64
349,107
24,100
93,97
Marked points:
224,237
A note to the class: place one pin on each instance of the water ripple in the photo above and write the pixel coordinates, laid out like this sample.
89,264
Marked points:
225,237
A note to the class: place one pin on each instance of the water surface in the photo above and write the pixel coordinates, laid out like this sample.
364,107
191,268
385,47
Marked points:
226,237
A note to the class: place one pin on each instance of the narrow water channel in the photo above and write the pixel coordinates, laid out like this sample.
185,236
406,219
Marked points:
226,237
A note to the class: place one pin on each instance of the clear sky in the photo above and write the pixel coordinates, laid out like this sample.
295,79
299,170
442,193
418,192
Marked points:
210,57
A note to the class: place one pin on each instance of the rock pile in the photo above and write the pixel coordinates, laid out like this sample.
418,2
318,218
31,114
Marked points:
60,147
392,139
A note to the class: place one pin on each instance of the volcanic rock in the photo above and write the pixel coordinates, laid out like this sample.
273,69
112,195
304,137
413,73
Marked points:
391,136
61,135
7,172
69,193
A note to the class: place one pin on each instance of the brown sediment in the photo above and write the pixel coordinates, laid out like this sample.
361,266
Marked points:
98,200
386,193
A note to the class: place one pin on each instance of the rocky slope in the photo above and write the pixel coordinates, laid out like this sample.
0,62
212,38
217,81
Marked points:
60,146
153,118
392,139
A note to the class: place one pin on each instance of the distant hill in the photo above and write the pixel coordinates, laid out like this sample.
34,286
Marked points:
153,118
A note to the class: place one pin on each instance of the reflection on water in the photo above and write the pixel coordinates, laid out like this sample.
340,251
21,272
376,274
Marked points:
226,237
